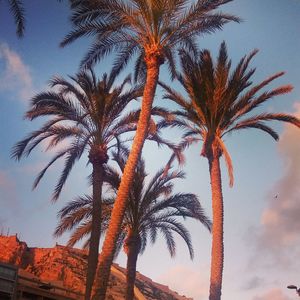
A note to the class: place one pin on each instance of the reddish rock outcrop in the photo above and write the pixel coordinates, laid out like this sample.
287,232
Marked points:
66,267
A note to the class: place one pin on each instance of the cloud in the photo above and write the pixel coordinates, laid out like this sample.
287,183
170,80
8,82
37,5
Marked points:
16,75
274,294
253,283
196,286
277,238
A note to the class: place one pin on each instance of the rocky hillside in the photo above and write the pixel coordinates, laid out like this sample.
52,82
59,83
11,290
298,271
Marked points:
64,266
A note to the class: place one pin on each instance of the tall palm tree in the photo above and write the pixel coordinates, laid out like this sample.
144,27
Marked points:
151,208
17,9
86,115
220,102
150,30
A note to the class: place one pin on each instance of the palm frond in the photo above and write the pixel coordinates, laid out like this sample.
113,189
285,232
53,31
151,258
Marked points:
72,156
228,161
17,9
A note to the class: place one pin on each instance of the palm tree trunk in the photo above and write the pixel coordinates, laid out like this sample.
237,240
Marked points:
112,234
217,252
98,173
133,248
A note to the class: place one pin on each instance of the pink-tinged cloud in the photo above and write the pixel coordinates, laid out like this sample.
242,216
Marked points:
253,283
278,234
187,282
16,74
274,294
5,182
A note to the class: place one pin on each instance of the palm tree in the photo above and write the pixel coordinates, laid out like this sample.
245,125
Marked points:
16,8
151,30
151,208
86,114
220,102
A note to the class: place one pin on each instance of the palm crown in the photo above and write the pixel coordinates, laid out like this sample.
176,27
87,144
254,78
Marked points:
220,101
143,27
151,208
151,31
85,113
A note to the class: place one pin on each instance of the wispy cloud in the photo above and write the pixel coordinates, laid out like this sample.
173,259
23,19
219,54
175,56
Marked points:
277,237
16,74
195,286
253,283
274,294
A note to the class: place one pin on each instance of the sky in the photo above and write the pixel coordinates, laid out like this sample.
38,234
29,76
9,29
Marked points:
262,242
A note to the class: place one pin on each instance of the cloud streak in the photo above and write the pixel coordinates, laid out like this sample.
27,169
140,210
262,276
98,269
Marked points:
278,234
253,283
16,74
274,294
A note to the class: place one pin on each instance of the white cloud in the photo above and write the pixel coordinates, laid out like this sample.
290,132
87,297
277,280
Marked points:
196,286
16,74
274,294
277,237
253,283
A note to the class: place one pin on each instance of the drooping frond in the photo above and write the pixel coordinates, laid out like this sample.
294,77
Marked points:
17,9
72,156
72,214
228,161
258,122
84,229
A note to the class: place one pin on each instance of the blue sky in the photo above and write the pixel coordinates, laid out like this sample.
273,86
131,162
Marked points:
261,210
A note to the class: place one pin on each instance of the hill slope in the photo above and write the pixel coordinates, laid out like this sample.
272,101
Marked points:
65,267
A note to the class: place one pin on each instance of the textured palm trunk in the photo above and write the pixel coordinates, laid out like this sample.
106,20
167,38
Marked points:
98,173
133,248
112,234
217,252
